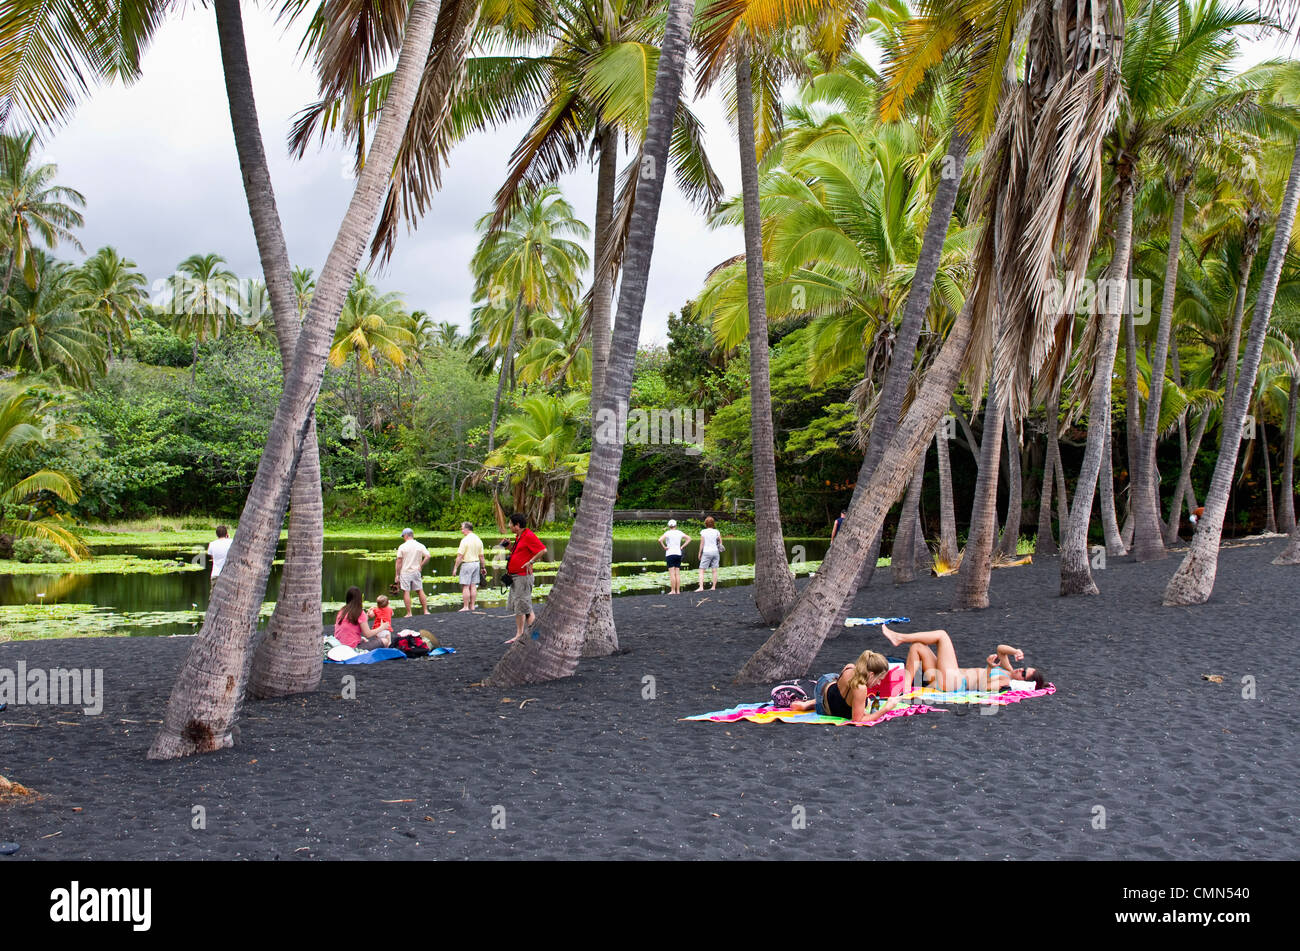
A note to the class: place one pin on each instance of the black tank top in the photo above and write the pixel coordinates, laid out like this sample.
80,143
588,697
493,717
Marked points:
835,704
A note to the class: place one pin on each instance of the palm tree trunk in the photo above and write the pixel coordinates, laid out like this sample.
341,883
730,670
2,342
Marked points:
1015,493
790,651
555,652
602,636
1106,480
948,550
976,562
205,701
902,560
287,659
1045,543
363,418
1270,518
505,370
1254,222
1288,458
1185,481
1076,576
1148,536
1194,580
773,581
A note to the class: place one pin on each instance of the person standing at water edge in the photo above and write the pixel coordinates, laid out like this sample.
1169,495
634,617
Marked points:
673,541
411,559
218,549
711,548
469,563
527,549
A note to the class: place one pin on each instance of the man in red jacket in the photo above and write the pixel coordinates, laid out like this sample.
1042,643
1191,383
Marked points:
526,549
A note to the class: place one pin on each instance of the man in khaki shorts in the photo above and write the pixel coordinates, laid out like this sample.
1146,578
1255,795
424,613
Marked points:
469,562
411,559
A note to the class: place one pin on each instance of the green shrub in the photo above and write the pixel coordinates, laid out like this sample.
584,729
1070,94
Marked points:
38,551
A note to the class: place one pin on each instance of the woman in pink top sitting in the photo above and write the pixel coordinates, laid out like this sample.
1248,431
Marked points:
352,628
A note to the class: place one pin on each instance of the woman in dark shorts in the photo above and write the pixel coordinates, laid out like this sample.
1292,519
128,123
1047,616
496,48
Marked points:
673,541
845,694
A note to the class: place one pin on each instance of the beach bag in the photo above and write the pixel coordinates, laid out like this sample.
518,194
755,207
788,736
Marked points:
416,645
787,693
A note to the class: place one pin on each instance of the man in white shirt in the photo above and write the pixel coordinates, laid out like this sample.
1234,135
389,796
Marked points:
218,549
673,542
468,564
411,559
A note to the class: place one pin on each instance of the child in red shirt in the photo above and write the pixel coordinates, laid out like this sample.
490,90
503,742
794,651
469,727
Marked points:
381,615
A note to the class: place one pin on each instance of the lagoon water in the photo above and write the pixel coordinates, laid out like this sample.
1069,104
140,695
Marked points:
348,561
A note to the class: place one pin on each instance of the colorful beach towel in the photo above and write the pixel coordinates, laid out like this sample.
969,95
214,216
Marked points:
861,621
766,713
930,695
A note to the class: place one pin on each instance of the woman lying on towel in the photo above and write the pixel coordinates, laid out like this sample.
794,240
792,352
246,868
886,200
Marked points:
941,670
845,694
352,627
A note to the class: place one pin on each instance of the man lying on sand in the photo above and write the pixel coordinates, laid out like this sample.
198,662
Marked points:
942,671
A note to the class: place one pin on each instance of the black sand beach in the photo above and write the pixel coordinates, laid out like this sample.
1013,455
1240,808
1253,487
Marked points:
1184,768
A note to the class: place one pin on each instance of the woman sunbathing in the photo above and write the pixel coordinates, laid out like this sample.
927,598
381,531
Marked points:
941,670
352,627
845,694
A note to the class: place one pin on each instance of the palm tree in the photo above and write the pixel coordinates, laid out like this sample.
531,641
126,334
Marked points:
1074,73
114,291
556,652
529,266
32,207
202,301
23,437
540,448
205,700
372,327
46,328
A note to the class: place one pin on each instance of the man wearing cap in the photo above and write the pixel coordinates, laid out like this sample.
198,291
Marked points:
673,541
411,559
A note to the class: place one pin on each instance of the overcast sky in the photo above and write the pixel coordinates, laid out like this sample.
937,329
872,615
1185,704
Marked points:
156,162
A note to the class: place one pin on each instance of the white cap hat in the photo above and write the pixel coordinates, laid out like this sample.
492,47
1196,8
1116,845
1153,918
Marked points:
407,531
672,523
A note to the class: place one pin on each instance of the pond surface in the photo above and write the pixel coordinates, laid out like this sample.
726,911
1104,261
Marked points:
172,602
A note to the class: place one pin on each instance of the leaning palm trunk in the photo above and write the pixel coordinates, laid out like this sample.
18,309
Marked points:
977,560
889,408
1194,580
1076,576
602,636
1148,537
205,700
1254,223
948,550
556,650
287,660
903,558
790,651
773,581
1015,492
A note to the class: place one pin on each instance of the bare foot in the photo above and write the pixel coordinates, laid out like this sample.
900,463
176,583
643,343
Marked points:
462,610
894,638
513,639
700,588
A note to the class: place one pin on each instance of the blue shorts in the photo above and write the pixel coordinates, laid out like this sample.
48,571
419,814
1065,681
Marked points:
820,695
674,561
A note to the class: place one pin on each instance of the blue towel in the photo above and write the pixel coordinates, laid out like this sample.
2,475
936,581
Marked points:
439,651
371,657
860,621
